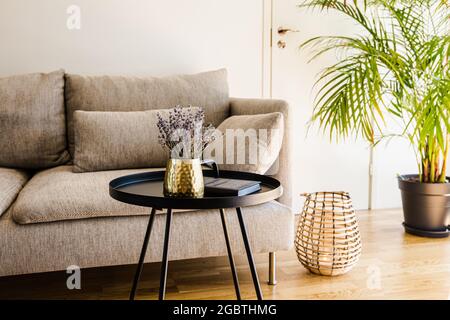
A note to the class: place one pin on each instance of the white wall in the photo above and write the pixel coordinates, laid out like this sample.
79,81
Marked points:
319,164
136,37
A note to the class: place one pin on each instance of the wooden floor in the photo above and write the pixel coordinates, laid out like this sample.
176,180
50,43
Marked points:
393,265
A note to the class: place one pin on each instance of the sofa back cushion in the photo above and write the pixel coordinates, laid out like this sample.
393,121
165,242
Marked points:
112,93
32,121
117,140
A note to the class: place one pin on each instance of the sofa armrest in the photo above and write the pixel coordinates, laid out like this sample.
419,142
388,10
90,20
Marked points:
281,169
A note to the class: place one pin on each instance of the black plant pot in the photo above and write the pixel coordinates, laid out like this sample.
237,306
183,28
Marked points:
426,206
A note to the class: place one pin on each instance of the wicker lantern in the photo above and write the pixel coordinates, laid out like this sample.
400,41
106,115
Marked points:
328,240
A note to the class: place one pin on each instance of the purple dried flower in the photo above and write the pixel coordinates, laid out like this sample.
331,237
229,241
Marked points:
183,132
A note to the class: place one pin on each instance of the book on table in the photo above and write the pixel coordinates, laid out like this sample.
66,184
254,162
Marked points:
230,187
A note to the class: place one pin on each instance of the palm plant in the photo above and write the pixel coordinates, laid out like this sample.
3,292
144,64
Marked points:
397,66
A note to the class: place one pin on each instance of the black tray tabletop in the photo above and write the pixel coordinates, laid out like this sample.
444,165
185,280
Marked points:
146,190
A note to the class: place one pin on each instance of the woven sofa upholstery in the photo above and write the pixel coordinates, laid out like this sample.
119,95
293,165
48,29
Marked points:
11,182
94,242
53,218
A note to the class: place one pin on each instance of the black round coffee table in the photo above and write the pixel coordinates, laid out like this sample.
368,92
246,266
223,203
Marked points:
146,189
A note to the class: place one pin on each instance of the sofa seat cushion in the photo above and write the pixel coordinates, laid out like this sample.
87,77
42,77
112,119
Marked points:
11,182
113,93
59,194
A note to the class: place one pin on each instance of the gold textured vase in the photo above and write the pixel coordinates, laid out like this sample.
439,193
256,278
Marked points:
184,178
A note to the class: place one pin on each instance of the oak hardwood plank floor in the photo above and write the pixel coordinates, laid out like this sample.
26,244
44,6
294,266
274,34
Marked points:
393,265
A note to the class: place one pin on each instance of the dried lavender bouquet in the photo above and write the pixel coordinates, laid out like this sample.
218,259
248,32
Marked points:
183,133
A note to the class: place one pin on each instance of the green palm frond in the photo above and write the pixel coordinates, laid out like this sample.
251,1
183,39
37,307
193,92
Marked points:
397,66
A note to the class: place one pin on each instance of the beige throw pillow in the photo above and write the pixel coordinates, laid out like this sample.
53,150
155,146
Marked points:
249,143
32,121
117,140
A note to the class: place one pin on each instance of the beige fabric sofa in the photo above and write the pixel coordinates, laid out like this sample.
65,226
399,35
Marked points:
93,229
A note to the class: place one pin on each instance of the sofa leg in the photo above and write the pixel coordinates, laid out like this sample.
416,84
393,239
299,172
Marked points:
272,268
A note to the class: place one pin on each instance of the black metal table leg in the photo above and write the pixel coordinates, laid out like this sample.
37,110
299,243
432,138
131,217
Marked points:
137,275
230,255
165,261
249,254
